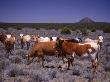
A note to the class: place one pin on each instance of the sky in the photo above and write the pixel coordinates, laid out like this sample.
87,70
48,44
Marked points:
53,11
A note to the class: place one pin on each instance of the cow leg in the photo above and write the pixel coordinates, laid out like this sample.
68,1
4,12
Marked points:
100,45
70,60
30,61
22,45
68,64
8,48
63,58
28,44
63,55
94,60
13,46
72,57
43,61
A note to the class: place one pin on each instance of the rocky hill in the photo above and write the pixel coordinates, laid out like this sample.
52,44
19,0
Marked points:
86,20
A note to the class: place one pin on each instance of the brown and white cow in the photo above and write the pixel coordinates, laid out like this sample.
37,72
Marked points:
25,39
10,41
72,49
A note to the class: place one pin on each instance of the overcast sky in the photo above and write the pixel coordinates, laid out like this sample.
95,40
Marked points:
54,11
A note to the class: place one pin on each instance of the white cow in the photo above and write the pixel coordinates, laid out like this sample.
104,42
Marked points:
25,39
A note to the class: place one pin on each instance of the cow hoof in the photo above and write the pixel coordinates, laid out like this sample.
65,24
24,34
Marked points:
68,69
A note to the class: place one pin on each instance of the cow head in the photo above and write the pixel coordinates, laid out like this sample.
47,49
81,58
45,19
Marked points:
59,44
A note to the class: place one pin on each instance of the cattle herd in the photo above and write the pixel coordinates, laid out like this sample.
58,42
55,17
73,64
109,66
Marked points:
31,57
54,46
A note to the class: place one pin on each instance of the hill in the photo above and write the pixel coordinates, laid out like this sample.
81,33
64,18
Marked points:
86,20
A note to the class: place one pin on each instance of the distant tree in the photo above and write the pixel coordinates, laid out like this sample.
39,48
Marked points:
65,30
84,32
93,30
18,28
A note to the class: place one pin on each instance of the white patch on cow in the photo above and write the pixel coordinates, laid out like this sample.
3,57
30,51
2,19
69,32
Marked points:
8,36
77,39
28,37
94,45
21,35
64,66
88,40
44,39
96,60
73,54
54,38
101,37
90,50
93,56
65,59
81,44
96,41
85,54
26,55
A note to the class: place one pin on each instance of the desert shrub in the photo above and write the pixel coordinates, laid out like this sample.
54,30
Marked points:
5,28
107,66
13,72
15,59
18,28
52,74
4,63
93,30
36,78
65,30
22,53
76,72
37,28
18,80
84,32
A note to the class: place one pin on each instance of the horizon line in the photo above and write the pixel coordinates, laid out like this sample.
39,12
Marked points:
50,22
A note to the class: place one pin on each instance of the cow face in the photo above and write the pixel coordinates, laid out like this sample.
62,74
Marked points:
58,45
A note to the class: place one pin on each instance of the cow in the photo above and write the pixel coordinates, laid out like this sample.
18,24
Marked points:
60,40
25,39
42,48
9,43
100,40
71,49
35,38
2,38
